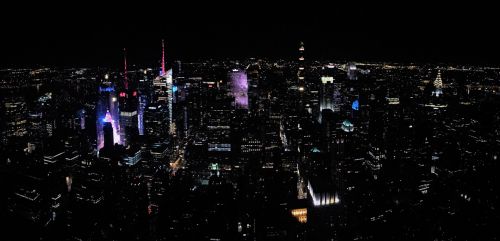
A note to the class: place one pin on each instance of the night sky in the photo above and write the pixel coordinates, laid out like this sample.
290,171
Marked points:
92,35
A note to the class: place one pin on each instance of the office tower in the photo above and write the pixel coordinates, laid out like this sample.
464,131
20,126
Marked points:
170,102
128,125
163,92
239,88
155,121
164,88
15,117
218,128
129,121
337,96
143,101
160,90
326,93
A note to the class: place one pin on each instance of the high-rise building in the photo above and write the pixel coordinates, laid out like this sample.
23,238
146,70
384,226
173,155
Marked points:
438,85
155,120
326,93
170,102
164,91
15,114
108,135
337,96
128,125
107,103
239,88
129,104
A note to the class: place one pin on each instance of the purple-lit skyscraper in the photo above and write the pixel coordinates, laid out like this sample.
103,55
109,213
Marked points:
239,88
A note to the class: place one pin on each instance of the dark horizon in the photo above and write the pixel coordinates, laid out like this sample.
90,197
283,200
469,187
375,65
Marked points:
409,34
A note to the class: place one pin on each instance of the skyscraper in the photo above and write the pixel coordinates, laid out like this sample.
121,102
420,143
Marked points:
107,104
239,88
129,122
108,135
15,114
326,92
438,85
170,101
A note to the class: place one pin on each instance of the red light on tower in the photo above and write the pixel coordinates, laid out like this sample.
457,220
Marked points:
122,94
134,93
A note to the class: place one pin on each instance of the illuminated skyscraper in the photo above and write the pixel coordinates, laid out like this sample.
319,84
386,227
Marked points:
107,104
129,120
163,91
239,88
108,135
438,85
170,93
326,93
337,96
15,114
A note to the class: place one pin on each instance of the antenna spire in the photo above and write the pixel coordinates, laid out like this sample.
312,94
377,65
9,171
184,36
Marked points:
125,67
162,57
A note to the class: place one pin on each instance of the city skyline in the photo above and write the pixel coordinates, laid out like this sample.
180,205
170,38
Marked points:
151,122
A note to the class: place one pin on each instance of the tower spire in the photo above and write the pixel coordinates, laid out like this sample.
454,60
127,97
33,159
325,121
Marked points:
125,68
162,57
438,82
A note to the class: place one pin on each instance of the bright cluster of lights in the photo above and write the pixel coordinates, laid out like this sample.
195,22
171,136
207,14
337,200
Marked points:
347,126
300,214
108,118
323,199
355,105
326,79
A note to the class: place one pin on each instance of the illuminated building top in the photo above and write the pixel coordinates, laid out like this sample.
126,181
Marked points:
108,117
347,126
355,105
438,82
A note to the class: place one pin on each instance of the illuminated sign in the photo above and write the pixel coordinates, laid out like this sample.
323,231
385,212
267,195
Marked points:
106,89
